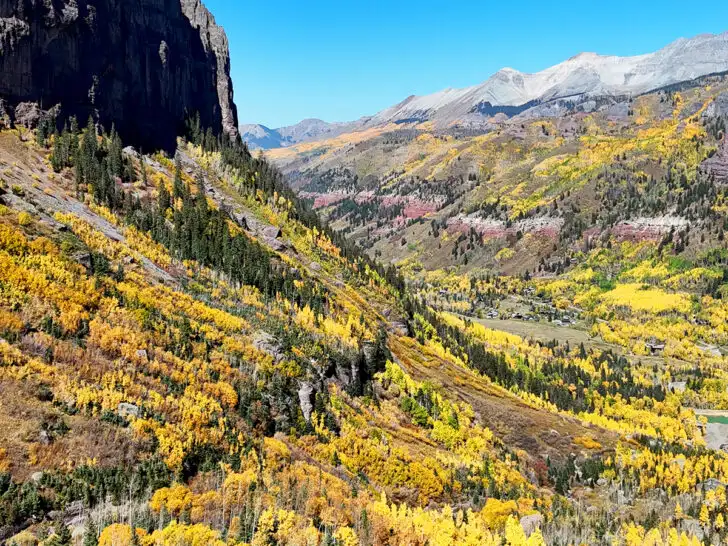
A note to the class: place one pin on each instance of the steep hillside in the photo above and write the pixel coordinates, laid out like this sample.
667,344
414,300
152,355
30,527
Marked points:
531,193
184,348
190,355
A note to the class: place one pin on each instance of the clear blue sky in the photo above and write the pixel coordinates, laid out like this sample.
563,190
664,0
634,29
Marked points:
340,60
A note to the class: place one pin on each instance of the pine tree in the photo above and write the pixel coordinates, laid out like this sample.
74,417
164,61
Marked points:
73,142
335,460
87,166
62,536
210,142
41,133
195,131
90,537
90,142
58,162
163,198
116,158
143,167
178,187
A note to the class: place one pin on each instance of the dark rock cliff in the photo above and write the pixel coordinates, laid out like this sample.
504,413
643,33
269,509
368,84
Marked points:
143,65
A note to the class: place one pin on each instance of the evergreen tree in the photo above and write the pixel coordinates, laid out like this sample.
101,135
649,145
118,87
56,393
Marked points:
73,142
163,199
90,537
143,167
58,161
116,157
88,168
179,189
195,130
42,131
62,536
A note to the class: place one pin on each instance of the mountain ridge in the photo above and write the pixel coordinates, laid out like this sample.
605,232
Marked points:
258,136
583,76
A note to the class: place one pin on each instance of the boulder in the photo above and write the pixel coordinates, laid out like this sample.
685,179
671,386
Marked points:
84,258
272,232
275,244
380,393
394,390
28,114
694,528
44,438
128,410
711,484
305,399
531,523
268,344
241,219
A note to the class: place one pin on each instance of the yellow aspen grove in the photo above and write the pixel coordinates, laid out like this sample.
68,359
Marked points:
505,326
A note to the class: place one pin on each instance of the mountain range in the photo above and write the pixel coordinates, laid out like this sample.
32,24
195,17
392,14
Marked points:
452,323
261,137
529,163
578,81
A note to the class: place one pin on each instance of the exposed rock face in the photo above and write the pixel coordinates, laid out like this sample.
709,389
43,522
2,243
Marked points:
531,523
717,166
305,397
143,65
717,108
215,40
126,410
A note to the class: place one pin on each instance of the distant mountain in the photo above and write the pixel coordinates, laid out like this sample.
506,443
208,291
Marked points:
261,137
510,92
586,75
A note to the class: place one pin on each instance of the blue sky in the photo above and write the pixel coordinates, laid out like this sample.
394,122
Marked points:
340,60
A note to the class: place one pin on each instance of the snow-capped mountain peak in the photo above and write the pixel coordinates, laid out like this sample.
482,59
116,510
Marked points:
584,76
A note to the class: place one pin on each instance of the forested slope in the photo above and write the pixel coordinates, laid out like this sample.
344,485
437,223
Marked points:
188,352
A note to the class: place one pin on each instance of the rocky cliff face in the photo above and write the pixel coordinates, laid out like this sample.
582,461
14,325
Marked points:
143,65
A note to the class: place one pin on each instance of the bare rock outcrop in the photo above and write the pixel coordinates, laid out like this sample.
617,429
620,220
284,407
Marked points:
717,166
141,66
305,398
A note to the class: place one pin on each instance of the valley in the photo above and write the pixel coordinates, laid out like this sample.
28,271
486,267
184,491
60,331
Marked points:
495,315
525,196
